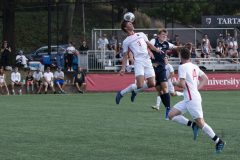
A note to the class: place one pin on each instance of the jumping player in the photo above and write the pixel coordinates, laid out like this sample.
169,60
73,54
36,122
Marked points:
192,103
138,44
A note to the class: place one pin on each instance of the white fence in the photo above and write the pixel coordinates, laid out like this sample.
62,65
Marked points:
97,60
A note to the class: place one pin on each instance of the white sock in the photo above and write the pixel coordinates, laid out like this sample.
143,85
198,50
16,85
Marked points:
209,131
145,86
180,119
179,93
129,89
158,102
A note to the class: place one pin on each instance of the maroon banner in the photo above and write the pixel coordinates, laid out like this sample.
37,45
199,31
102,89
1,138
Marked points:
114,82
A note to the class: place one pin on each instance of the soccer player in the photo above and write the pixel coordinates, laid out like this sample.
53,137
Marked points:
192,103
159,67
170,78
138,44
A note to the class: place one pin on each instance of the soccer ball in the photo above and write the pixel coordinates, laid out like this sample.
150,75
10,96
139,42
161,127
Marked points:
129,16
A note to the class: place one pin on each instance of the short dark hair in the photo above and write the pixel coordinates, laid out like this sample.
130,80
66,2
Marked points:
185,53
123,25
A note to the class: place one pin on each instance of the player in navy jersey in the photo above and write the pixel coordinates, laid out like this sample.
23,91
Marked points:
159,67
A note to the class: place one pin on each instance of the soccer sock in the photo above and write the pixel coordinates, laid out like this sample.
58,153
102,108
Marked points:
158,102
145,86
129,89
163,100
166,97
179,93
209,131
180,119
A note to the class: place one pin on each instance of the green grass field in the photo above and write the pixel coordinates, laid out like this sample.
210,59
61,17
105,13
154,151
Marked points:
92,127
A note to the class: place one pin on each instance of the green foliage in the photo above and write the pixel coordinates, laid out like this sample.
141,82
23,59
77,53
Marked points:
92,127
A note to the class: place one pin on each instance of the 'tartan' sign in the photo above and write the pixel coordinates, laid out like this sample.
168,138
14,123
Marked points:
220,21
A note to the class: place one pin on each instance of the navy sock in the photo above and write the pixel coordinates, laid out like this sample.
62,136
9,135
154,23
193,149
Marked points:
166,98
163,100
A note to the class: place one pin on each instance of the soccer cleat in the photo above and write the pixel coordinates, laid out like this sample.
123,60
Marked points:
195,131
166,114
118,97
155,107
220,146
133,96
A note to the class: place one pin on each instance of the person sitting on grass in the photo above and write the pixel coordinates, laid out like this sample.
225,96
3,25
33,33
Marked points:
16,80
48,80
79,80
3,81
59,79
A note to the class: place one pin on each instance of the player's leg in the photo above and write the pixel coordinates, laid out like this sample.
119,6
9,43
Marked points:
158,99
175,115
46,87
165,97
83,87
12,85
6,87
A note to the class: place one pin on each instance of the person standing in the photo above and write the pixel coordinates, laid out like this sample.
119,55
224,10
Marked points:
138,44
5,54
189,75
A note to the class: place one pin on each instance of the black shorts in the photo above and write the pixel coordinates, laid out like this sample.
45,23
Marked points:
160,76
79,82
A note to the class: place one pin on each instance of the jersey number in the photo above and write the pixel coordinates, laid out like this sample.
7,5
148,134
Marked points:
194,74
139,43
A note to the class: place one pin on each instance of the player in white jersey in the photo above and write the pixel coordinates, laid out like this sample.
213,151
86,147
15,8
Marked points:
138,44
170,79
189,80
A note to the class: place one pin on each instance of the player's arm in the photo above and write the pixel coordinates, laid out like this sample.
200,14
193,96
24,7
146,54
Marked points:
203,81
181,83
124,62
153,48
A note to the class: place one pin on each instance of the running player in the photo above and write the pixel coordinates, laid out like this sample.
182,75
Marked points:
138,44
192,103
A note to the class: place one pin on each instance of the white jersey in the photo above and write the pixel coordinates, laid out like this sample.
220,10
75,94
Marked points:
37,75
169,70
48,76
190,72
138,46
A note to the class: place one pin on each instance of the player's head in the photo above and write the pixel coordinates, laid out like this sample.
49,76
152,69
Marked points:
185,53
166,59
162,34
127,26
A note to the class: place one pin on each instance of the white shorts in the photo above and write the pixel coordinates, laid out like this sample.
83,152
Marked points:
194,107
144,68
170,87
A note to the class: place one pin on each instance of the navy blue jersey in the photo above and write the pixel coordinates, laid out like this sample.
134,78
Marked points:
159,57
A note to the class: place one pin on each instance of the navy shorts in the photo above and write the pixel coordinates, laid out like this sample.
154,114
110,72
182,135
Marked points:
160,76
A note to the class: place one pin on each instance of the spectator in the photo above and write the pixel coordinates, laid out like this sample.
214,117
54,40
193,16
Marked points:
16,80
48,80
220,50
113,43
5,54
21,59
192,50
103,42
79,80
3,81
69,56
37,80
220,38
84,46
233,50
29,82
59,79
206,47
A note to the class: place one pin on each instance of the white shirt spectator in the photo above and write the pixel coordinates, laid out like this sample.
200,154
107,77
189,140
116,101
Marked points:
71,50
22,59
37,76
15,77
102,42
58,75
2,78
48,76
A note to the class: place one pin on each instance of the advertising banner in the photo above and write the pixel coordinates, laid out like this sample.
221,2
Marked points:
115,82
220,21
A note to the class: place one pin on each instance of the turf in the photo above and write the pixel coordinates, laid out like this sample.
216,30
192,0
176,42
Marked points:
92,127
